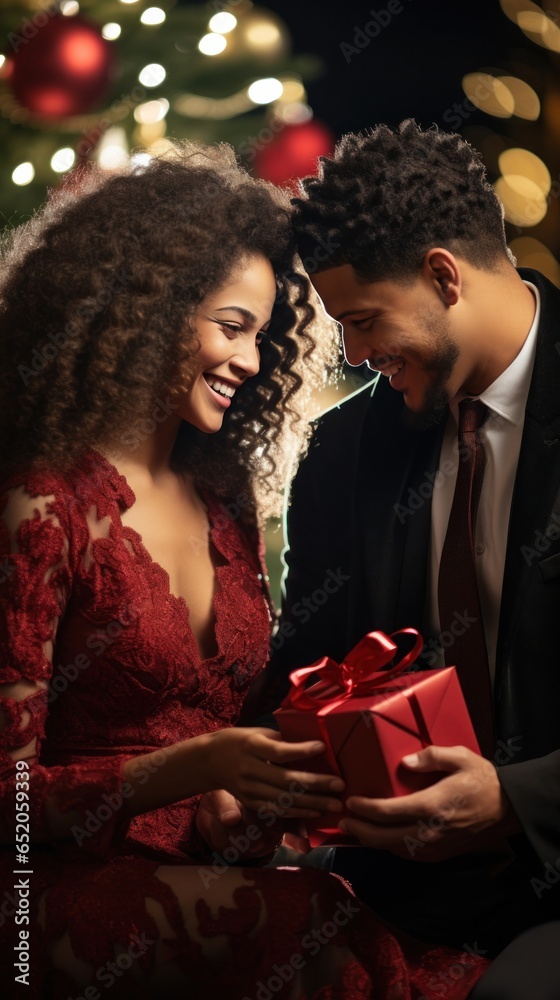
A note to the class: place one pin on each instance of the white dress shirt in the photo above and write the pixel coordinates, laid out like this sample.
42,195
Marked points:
500,435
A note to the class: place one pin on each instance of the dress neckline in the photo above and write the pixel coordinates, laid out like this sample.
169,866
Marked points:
128,498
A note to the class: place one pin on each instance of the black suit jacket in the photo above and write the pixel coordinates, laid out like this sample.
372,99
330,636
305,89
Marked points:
358,530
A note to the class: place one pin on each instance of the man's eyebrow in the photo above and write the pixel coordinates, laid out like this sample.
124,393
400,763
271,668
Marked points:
244,312
351,312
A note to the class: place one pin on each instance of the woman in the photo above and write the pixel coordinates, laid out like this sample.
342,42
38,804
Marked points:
156,345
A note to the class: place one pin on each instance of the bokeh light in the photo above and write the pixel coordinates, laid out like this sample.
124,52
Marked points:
63,160
266,90
489,94
222,23
23,174
152,75
111,31
212,44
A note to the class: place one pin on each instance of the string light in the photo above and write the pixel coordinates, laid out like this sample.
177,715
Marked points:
219,109
111,30
152,75
293,90
265,91
151,111
523,200
294,113
153,15
23,174
212,44
263,35
222,23
526,101
69,7
489,94
112,151
513,8
532,253
521,162
63,160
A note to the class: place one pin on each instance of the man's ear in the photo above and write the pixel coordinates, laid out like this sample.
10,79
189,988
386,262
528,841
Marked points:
441,269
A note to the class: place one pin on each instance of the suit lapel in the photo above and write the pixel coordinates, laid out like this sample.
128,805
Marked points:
535,496
391,517
392,497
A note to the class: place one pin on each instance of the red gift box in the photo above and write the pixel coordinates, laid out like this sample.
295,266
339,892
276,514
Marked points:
370,717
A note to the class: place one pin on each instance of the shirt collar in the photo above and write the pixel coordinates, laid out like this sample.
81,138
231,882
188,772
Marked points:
507,395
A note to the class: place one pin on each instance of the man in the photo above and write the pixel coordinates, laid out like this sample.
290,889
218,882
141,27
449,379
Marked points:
419,276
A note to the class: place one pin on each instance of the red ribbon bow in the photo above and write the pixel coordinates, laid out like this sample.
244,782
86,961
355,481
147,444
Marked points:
359,674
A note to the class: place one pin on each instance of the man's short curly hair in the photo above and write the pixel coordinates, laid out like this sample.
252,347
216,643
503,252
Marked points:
97,297
386,197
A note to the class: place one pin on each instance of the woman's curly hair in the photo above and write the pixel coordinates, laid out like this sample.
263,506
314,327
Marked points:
97,297
386,197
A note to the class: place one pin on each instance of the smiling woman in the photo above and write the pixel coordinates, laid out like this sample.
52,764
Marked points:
105,294
157,339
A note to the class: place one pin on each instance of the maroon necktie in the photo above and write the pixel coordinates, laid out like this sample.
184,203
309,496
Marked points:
458,598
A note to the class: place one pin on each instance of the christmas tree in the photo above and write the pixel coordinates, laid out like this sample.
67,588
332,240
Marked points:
101,79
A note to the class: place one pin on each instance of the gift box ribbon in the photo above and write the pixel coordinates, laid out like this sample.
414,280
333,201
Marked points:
361,672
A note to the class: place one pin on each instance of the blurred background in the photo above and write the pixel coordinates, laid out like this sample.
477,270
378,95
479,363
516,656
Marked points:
111,79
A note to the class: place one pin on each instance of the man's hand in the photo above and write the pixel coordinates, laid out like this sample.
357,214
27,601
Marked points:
464,811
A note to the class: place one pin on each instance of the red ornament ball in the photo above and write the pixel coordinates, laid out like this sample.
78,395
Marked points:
293,152
63,68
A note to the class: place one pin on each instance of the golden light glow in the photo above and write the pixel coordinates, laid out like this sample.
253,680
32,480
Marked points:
111,30
532,253
146,135
264,35
63,160
152,75
222,23
69,7
151,111
294,113
163,147
524,202
521,162
23,174
112,151
212,44
219,109
526,101
265,91
533,22
490,94
293,90
260,33
153,15
513,8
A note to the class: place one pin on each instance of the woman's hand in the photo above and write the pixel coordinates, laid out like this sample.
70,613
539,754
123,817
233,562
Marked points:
253,764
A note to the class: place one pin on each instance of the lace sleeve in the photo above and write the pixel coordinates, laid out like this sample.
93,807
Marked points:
36,575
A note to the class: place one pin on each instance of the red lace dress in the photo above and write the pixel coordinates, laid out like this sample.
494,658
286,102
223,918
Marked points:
97,665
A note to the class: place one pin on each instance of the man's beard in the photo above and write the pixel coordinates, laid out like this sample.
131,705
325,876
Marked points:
435,406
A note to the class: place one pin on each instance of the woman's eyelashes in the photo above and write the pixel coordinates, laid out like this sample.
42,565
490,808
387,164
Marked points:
229,326
232,329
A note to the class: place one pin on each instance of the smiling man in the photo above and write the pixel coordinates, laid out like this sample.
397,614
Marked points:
434,491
